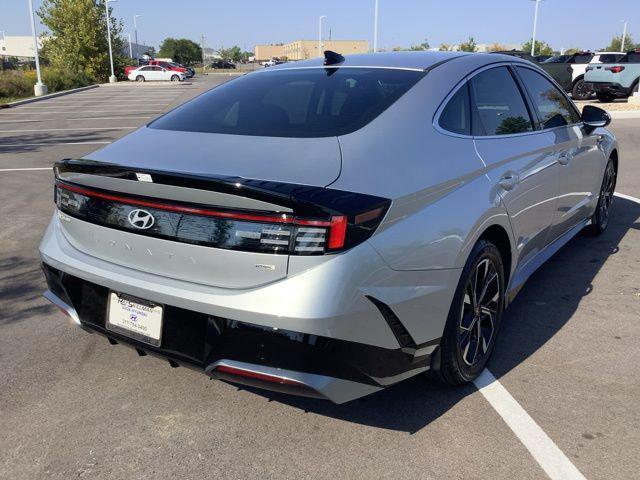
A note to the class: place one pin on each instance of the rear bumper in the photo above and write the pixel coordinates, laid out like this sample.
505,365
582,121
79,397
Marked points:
319,327
609,87
279,360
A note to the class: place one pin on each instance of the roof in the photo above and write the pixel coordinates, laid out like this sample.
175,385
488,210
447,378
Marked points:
414,60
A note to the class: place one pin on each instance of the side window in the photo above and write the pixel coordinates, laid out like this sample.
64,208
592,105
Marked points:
553,107
585,58
455,116
497,104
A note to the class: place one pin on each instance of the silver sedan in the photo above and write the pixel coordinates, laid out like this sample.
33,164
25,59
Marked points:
331,227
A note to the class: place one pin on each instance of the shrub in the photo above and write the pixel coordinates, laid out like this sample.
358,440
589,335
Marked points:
18,84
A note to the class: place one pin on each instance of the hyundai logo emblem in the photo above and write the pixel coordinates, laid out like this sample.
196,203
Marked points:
141,219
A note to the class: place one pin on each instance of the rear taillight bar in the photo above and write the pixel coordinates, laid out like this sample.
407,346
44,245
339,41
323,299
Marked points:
616,69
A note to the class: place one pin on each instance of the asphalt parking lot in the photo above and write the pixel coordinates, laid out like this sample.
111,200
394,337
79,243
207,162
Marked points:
72,405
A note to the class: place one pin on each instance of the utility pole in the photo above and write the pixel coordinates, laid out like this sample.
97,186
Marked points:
320,18
535,26
203,65
135,32
624,35
375,28
112,78
130,49
39,88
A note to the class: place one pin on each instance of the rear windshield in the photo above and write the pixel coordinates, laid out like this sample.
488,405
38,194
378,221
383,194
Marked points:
558,59
631,57
310,102
611,57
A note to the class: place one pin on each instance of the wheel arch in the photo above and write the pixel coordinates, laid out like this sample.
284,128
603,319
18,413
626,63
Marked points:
498,236
578,78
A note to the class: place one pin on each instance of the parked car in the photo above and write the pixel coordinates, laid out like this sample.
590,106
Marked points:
331,227
148,73
615,80
542,58
174,67
579,62
223,64
272,63
560,73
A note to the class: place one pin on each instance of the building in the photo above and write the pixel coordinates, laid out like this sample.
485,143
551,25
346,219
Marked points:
303,49
20,46
267,52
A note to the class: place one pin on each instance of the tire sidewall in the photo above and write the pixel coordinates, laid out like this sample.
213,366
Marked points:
597,221
140,78
449,345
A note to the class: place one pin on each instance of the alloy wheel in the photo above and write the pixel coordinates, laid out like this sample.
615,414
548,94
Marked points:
606,194
479,313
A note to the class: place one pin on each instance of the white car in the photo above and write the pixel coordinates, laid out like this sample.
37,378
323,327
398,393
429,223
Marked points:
148,73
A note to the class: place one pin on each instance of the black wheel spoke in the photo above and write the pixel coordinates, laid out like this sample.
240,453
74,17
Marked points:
479,312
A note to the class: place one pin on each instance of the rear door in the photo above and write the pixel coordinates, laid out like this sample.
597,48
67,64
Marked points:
580,159
522,161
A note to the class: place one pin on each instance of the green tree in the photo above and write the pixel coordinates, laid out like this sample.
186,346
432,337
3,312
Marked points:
497,47
233,54
541,48
469,46
444,47
571,51
181,50
616,44
77,37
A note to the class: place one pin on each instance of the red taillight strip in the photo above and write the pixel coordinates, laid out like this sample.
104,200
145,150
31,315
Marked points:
338,232
195,210
258,376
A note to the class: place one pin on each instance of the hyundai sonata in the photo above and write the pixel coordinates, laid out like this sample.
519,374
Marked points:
330,227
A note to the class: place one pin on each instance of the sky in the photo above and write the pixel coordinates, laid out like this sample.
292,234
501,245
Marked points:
587,24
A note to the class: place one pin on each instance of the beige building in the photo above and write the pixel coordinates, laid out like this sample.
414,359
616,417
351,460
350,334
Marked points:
267,52
303,49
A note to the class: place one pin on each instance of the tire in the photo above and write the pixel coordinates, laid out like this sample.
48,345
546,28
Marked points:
600,218
580,91
604,97
459,361
635,89
140,78
175,78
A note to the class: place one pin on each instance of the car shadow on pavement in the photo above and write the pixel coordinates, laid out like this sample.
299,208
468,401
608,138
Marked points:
21,287
22,143
545,304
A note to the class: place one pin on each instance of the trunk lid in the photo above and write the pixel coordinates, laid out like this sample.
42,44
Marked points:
226,173
303,161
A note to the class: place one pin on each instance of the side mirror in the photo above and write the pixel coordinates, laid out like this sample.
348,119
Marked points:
594,117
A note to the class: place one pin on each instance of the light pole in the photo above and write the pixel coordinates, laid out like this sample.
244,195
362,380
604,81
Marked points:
130,49
535,25
320,18
112,78
375,28
624,34
39,88
135,30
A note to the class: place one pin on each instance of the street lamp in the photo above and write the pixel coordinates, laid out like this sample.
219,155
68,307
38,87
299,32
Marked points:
624,34
535,25
112,78
130,49
39,88
320,18
135,30
375,28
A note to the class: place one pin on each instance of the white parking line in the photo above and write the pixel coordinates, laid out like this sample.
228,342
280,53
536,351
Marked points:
540,446
66,129
627,197
105,118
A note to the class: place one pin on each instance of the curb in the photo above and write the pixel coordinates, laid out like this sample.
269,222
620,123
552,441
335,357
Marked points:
45,97
624,114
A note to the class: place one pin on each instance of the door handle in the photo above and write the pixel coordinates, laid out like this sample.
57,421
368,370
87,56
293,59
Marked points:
508,181
564,158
